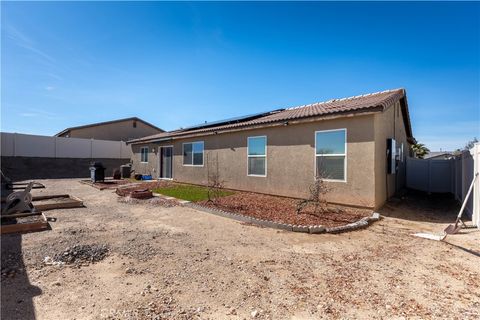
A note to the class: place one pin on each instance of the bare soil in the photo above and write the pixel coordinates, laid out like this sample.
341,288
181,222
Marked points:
180,263
107,183
284,210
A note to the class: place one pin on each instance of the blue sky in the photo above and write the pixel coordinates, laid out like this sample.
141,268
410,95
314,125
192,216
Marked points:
178,64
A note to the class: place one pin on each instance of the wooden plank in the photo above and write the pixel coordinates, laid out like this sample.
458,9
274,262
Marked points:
21,215
22,187
61,205
73,202
25,227
50,197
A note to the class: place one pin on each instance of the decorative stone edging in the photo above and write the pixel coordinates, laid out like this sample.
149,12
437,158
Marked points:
169,198
362,223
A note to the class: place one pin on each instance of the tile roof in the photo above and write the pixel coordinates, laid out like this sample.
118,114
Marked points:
378,101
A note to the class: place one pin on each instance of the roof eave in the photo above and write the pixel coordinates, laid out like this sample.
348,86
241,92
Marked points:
108,122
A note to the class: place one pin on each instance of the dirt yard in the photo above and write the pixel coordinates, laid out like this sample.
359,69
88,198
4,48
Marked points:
154,262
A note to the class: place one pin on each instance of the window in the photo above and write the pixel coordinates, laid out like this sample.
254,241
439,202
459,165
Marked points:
257,156
193,154
330,154
144,154
134,123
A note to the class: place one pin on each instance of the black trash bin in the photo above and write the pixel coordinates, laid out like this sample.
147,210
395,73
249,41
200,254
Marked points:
97,172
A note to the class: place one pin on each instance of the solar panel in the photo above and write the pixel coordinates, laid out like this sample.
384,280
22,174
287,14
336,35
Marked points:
231,120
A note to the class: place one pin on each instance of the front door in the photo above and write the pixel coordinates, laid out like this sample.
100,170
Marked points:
166,157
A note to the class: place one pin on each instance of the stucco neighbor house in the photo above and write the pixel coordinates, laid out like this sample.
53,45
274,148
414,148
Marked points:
116,130
359,144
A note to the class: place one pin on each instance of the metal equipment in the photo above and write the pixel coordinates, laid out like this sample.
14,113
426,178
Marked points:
97,172
19,201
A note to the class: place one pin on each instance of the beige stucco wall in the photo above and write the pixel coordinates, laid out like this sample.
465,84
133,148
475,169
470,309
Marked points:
117,131
389,124
150,167
290,160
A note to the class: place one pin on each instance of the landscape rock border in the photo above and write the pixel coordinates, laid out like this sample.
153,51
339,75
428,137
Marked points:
312,229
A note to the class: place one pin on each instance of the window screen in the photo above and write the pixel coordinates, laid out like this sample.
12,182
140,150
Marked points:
144,154
330,154
193,153
257,156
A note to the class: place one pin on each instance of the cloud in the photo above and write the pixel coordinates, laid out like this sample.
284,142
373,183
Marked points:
27,114
23,41
55,76
38,113
50,88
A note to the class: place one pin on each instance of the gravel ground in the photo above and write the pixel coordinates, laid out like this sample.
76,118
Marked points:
158,261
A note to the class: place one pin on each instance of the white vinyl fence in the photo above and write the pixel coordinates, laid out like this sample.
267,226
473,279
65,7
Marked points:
475,198
26,145
449,176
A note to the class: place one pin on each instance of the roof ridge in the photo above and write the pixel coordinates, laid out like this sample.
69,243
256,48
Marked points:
344,99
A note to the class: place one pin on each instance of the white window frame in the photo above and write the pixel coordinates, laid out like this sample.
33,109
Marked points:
344,180
203,153
257,156
141,154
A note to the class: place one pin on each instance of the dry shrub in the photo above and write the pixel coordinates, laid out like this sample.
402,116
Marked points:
215,184
317,197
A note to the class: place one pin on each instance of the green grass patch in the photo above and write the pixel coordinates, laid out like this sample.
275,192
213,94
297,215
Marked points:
189,193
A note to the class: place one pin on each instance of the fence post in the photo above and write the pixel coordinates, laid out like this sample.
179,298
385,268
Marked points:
429,163
14,144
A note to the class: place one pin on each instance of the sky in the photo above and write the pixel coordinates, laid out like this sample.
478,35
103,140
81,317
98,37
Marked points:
178,64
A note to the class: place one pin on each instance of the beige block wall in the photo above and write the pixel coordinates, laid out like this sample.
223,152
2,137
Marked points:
389,124
290,160
118,131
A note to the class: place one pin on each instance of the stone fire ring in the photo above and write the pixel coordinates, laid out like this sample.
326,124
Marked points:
360,224
141,194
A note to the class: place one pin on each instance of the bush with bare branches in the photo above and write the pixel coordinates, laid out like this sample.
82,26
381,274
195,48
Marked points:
317,198
317,194
215,185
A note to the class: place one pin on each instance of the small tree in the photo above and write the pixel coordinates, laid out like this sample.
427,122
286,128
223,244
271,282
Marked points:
317,193
215,184
470,144
420,150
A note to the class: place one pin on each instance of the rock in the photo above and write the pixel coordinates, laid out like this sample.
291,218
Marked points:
254,313
80,254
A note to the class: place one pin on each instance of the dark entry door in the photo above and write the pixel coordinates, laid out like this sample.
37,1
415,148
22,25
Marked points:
166,162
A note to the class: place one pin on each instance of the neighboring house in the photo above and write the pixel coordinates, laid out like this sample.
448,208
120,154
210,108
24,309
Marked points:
439,155
280,152
117,130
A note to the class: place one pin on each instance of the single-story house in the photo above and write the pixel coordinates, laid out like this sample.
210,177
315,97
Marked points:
358,144
439,155
115,130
